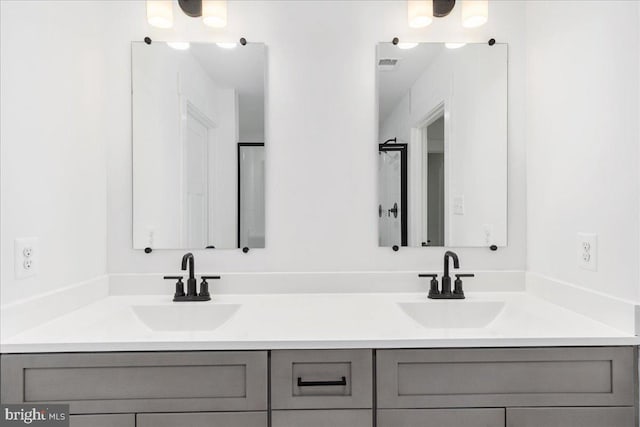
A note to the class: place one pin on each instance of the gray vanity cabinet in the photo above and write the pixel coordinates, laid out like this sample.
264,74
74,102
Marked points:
323,418
118,420
322,388
570,417
110,383
506,377
441,417
203,419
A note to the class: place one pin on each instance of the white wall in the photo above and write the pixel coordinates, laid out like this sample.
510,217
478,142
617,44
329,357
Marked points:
54,119
74,59
583,141
321,123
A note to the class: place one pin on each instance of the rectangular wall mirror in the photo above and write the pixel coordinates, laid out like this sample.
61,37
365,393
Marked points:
198,145
442,144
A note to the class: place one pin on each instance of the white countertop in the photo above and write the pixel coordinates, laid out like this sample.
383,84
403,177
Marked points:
308,321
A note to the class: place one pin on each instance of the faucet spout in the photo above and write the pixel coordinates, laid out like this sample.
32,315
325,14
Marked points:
188,258
456,261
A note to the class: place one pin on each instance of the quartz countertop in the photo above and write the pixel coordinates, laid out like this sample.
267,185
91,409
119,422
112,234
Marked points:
313,321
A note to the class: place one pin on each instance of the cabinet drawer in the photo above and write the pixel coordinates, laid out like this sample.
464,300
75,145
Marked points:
441,418
598,376
305,379
139,382
571,417
203,419
322,418
122,420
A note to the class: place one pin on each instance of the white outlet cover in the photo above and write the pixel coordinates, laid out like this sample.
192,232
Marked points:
26,266
587,251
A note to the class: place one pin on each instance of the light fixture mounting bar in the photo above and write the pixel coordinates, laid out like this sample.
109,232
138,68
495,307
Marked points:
442,8
192,8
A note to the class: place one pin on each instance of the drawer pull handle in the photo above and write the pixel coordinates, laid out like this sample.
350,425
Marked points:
342,381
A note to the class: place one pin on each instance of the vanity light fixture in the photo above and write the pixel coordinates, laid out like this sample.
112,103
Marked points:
160,13
421,12
213,12
474,13
179,45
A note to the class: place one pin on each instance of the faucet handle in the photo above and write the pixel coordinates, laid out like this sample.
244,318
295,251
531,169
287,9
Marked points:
433,289
204,286
457,286
179,285
433,276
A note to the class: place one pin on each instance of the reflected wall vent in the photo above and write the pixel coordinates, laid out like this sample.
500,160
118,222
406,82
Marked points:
387,64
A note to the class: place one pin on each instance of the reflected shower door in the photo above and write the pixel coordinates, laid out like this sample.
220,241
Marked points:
251,209
392,194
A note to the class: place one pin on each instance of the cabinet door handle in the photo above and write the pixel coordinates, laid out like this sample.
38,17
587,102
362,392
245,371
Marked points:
342,381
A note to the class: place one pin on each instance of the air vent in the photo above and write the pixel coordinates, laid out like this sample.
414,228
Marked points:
387,64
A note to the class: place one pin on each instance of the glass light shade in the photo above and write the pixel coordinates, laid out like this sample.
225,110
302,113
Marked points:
420,13
214,13
160,13
474,13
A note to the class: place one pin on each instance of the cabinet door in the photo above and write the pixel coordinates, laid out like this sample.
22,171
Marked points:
505,377
441,418
204,419
121,420
321,379
109,383
322,418
571,417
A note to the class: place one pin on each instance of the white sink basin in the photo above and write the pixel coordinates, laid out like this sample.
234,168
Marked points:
184,316
453,313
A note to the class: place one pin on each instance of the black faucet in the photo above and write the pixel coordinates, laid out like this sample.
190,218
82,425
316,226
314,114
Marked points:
445,291
446,279
192,289
191,281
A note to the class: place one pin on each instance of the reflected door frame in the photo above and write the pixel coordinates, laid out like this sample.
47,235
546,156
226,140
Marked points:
419,138
402,149
189,109
240,145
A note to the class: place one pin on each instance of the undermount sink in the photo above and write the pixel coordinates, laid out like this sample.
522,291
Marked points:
185,317
453,313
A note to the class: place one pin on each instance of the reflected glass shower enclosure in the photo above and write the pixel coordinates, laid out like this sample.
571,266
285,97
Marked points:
251,198
392,188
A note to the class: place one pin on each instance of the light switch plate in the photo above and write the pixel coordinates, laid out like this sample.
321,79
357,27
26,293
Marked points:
458,205
27,257
587,245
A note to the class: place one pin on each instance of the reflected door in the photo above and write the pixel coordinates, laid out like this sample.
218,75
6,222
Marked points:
392,194
196,186
251,207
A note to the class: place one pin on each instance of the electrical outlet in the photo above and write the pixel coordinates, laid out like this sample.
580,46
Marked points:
588,251
26,257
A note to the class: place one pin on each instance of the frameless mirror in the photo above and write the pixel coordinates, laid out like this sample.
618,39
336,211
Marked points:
442,144
198,145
